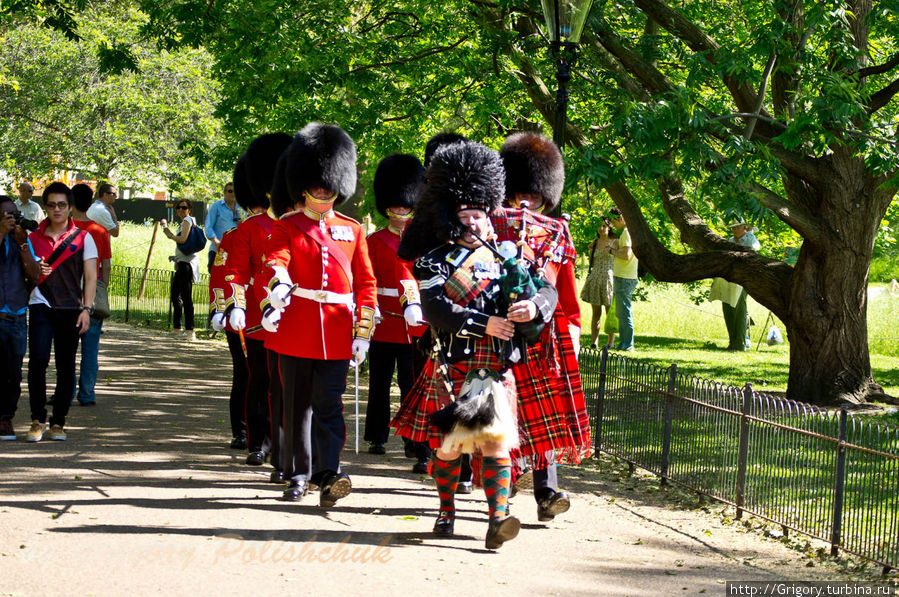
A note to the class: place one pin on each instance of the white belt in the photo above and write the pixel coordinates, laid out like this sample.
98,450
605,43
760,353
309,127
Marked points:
325,296
388,291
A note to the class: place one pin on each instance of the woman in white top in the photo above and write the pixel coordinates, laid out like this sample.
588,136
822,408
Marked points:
187,269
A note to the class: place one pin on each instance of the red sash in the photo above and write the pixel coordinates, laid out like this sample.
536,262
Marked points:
391,240
335,250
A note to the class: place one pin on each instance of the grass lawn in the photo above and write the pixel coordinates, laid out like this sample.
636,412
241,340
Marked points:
671,329
131,246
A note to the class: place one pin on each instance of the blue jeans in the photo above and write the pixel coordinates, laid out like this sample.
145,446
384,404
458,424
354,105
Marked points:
13,334
90,349
623,288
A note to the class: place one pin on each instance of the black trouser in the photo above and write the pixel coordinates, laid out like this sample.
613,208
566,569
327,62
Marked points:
312,386
182,288
276,405
54,327
238,401
259,427
383,358
546,482
13,342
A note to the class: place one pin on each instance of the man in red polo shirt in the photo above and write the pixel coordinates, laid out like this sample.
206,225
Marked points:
82,197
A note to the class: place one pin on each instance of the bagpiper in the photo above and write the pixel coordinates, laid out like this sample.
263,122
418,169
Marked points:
464,399
552,413
322,300
397,184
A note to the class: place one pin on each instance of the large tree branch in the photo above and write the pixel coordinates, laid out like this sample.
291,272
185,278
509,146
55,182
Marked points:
883,97
789,213
767,280
870,71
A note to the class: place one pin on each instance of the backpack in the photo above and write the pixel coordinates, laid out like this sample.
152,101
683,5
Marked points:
195,241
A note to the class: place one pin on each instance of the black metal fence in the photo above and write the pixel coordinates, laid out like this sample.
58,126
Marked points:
152,307
828,474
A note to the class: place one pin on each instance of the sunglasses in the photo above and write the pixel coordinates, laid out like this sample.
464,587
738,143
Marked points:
181,207
59,205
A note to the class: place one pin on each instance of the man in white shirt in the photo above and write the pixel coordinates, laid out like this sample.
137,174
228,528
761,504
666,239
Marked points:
102,211
28,208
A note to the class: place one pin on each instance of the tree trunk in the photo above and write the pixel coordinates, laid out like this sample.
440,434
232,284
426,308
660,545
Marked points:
827,326
827,314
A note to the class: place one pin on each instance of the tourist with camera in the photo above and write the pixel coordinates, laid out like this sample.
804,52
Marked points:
28,209
17,266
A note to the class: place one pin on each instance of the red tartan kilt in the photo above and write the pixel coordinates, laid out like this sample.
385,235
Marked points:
429,395
552,414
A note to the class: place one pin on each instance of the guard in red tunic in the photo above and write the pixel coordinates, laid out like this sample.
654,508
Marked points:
464,400
322,299
253,175
397,184
552,413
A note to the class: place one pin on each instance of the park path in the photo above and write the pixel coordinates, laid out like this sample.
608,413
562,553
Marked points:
146,498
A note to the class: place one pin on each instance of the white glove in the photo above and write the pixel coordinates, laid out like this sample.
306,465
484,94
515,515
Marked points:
413,315
575,333
360,349
270,320
218,322
280,296
238,319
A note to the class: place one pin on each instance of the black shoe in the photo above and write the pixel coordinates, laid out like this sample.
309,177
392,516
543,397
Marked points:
501,530
294,491
334,487
239,443
420,468
465,487
443,526
377,448
256,458
550,507
91,403
276,477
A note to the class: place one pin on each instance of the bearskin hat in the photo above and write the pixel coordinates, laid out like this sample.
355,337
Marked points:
462,175
320,155
398,182
439,140
533,165
242,193
260,160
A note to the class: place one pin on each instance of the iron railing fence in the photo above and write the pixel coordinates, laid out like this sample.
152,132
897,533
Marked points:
831,475
153,307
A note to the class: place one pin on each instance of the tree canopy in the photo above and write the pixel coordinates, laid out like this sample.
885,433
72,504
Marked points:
67,109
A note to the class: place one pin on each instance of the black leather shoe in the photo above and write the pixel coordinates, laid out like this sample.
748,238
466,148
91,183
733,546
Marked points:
376,448
465,487
334,488
408,448
420,468
548,508
444,525
276,477
501,530
239,443
294,491
256,458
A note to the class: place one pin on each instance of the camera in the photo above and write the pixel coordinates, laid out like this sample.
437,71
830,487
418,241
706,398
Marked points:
20,220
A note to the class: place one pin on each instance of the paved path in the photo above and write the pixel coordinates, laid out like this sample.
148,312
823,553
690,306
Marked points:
146,498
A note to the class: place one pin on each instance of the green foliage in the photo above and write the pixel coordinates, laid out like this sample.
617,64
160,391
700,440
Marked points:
109,105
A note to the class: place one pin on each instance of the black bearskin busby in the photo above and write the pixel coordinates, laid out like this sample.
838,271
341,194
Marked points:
438,141
398,182
461,175
260,160
533,165
242,192
320,155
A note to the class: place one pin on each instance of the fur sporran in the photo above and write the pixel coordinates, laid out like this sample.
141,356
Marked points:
481,414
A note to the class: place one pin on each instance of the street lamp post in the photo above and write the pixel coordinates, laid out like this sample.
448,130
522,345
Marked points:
565,21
